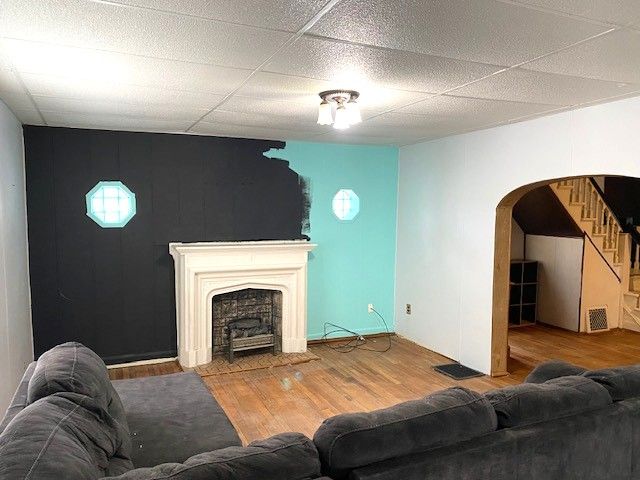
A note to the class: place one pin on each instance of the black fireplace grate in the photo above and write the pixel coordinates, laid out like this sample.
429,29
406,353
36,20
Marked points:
249,334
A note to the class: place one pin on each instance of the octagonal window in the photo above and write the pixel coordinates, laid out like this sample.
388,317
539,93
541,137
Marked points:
346,204
111,204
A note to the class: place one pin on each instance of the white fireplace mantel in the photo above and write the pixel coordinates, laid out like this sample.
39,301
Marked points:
206,269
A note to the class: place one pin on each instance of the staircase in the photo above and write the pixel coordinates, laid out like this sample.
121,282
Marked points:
621,250
589,210
631,304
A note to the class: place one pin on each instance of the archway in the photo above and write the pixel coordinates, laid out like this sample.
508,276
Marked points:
502,249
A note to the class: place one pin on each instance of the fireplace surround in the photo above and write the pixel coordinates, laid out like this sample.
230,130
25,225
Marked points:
206,269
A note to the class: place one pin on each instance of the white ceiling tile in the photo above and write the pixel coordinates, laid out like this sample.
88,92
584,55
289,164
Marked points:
17,101
620,12
301,90
522,85
49,86
289,15
404,125
614,57
105,26
15,97
464,108
278,87
481,31
274,120
308,57
86,65
29,116
99,108
9,82
268,106
163,64
359,139
244,131
114,122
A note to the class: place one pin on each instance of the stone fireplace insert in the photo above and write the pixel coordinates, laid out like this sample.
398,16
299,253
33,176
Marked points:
245,320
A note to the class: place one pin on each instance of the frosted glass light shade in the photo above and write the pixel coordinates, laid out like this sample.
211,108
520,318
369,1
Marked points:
342,118
353,109
324,113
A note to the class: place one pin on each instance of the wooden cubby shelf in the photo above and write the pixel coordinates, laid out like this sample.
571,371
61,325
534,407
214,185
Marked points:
523,292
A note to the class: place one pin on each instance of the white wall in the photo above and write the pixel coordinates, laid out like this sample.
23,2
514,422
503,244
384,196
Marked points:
16,345
448,192
559,279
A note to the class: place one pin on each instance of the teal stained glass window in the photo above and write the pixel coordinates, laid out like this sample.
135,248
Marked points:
346,204
111,204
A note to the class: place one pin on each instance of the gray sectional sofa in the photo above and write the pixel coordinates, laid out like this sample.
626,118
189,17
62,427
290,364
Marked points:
68,420
562,423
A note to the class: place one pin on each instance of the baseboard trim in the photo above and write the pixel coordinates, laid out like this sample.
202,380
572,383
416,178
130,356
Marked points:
321,341
138,363
150,358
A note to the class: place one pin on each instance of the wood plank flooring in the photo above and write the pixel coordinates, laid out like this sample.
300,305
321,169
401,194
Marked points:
261,403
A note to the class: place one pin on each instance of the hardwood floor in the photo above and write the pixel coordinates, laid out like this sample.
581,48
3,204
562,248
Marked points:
261,403
532,345
144,370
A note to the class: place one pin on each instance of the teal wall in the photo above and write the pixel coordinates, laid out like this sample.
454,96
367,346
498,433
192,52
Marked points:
354,262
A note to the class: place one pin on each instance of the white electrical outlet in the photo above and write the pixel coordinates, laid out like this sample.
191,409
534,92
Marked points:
370,308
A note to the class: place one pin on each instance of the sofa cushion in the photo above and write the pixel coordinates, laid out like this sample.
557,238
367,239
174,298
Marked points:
530,403
621,382
355,439
288,456
553,369
19,400
595,445
64,435
116,408
164,410
70,367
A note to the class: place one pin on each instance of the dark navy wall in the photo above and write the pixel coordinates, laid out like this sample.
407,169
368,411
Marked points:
113,289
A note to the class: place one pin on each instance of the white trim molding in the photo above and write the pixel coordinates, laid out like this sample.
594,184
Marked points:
137,363
206,269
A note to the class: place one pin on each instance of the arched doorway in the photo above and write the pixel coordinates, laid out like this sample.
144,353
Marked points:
583,191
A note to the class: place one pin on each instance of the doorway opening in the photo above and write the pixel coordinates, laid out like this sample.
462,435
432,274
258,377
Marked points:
566,265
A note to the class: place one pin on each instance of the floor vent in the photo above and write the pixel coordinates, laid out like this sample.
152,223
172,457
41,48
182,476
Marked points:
597,319
457,371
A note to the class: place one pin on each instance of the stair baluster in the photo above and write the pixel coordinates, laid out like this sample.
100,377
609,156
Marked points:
586,210
609,230
600,222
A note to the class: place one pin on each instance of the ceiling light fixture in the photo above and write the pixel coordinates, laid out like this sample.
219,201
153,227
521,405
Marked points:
347,111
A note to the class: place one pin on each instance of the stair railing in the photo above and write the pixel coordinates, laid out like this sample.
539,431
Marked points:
614,227
586,192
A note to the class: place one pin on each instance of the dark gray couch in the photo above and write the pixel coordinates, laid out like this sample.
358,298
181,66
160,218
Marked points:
68,421
563,423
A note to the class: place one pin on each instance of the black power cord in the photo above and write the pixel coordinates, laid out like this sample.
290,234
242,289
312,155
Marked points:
358,341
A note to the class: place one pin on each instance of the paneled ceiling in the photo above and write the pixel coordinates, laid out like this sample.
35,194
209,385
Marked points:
253,68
